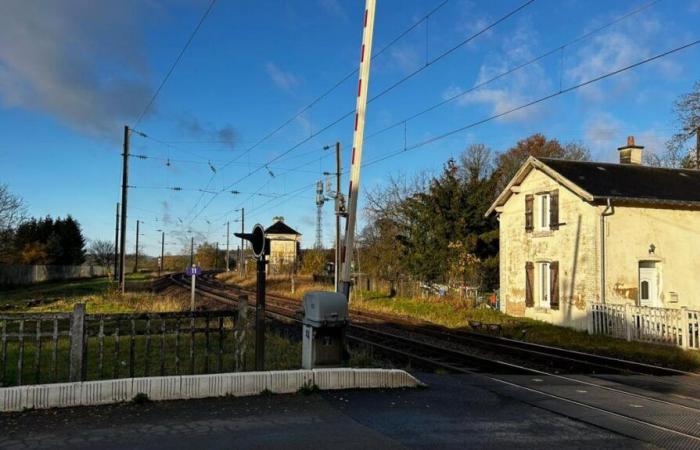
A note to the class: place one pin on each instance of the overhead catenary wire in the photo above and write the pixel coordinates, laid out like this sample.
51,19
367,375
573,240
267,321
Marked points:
505,113
381,93
512,70
538,100
311,104
394,85
175,63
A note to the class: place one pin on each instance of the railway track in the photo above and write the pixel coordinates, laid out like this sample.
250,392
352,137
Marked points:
628,405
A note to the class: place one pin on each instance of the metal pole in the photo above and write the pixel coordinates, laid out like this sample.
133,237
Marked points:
136,261
162,252
116,246
697,147
216,256
243,262
125,184
260,316
357,141
241,249
192,252
337,215
227,257
192,283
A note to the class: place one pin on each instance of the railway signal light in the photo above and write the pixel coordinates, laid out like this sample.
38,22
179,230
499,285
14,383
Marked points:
257,239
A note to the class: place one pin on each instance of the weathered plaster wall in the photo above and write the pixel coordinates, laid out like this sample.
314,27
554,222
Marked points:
676,235
574,245
283,248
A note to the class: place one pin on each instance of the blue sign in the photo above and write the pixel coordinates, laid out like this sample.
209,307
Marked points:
193,271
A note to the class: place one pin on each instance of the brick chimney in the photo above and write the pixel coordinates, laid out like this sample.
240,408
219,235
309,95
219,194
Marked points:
631,153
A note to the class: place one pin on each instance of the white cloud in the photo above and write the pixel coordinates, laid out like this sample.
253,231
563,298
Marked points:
604,133
286,81
407,58
515,90
333,7
623,45
79,61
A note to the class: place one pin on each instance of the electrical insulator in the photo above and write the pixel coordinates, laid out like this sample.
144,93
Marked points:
340,204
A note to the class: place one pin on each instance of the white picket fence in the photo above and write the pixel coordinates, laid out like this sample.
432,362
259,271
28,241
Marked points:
680,327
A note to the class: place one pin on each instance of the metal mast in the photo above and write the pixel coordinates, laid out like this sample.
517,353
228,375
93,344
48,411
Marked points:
357,141
319,212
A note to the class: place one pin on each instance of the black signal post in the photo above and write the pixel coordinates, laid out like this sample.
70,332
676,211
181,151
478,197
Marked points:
261,248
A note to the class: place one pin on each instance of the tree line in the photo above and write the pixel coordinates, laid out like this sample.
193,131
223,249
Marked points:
433,229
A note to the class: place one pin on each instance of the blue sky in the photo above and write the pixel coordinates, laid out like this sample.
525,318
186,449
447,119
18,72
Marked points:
73,73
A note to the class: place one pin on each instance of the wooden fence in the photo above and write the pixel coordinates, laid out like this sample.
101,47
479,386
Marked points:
57,347
679,327
26,274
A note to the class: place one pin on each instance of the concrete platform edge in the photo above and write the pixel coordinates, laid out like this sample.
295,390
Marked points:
239,384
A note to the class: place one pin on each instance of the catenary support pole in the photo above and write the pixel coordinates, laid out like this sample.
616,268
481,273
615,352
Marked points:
116,246
125,187
216,257
162,253
241,249
338,171
697,147
228,233
357,142
193,279
192,252
136,259
260,315
243,262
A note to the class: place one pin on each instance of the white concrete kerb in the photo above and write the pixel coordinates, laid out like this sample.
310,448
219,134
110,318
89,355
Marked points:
62,395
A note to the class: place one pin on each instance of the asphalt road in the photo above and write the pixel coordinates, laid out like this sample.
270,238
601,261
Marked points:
454,412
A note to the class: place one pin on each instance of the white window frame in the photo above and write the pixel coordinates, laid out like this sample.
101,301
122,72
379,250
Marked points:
544,202
544,285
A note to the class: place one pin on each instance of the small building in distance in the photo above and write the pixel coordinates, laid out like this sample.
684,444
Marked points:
574,233
284,247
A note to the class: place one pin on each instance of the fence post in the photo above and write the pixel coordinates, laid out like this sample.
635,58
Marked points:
589,318
628,322
685,335
78,345
241,325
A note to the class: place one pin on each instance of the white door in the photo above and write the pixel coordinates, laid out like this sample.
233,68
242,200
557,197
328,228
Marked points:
648,284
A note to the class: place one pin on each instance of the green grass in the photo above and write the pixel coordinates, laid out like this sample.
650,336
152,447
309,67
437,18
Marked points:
280,354
453,315
101,295
55,289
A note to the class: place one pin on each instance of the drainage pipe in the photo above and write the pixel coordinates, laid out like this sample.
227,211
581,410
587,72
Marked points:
608,211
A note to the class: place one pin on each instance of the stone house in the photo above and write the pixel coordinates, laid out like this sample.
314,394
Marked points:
575,232
284,247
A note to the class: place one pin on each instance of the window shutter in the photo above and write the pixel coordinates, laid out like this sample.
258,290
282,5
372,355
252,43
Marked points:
554,210
554,284
529,283
529,200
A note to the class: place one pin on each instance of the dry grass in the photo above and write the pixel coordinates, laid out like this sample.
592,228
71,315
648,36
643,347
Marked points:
99,294
455,314
278,284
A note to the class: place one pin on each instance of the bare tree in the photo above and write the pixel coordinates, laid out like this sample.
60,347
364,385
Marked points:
101,253
12,213
679,149
12,209
477,161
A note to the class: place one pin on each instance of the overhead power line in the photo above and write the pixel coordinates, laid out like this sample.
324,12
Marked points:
175,63
391,87
282,197
539,100
512,70
315,101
